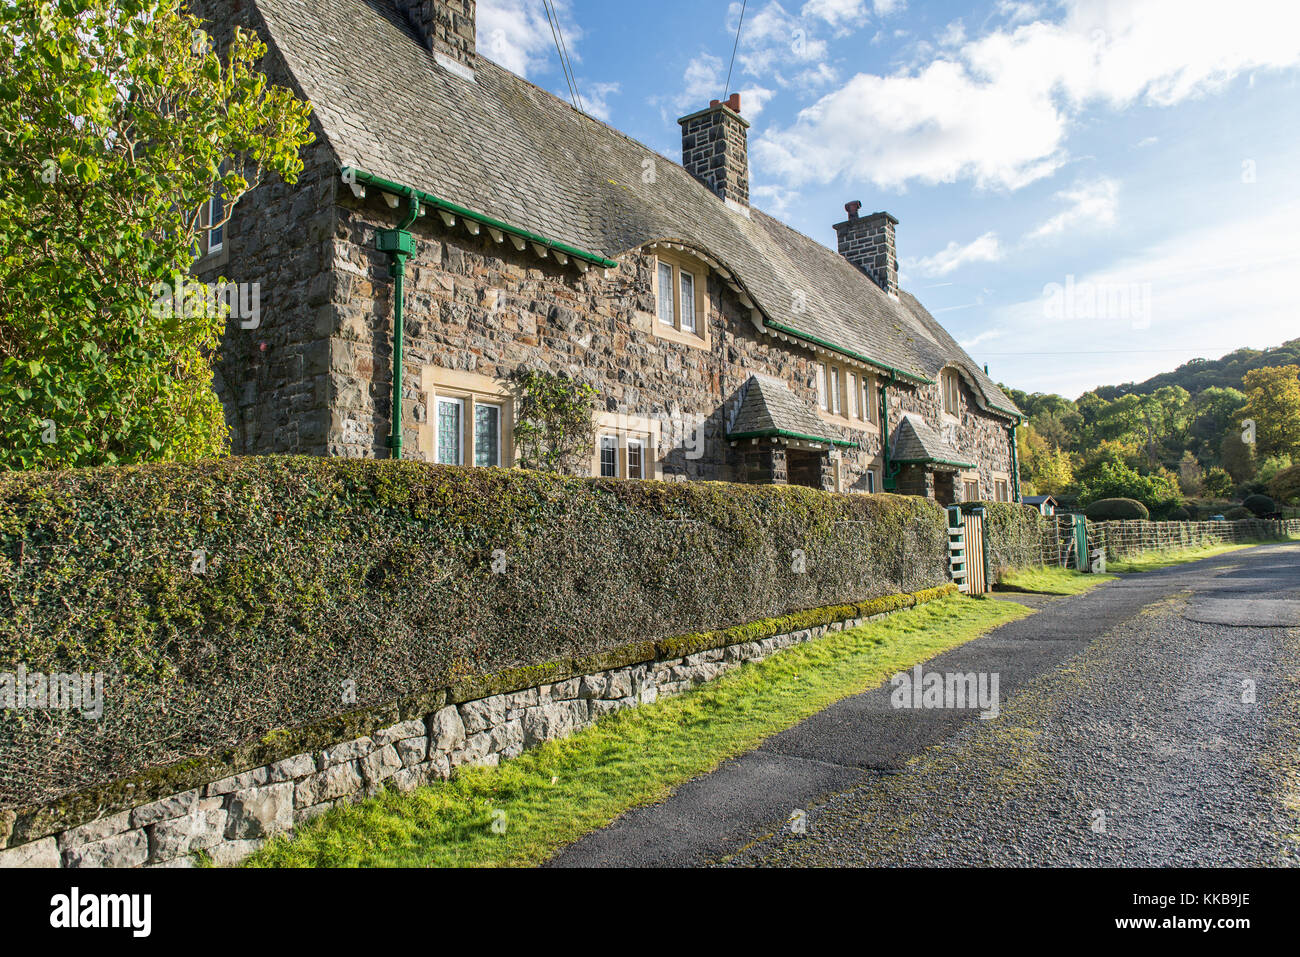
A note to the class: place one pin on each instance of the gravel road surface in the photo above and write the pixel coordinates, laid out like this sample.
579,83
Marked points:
1153,721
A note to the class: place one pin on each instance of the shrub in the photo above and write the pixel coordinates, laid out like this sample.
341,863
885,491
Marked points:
329,586
1259,505
1178,515
1218,483
1116,509
1238,513
1285,486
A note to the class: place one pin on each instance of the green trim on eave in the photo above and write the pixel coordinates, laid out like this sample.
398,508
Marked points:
783,434
388,186
955,465
921,380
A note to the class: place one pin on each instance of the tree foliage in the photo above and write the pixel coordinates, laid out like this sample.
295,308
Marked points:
554,431
118,122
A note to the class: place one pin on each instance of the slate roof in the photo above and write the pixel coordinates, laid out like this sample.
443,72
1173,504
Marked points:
768,408
502,147
916,442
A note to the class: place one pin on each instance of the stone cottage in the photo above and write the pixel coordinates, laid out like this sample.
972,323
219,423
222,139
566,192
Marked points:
456,224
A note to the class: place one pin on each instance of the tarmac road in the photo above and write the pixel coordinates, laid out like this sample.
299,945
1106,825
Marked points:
1152,721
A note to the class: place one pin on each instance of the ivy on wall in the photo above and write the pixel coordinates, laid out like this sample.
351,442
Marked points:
554,432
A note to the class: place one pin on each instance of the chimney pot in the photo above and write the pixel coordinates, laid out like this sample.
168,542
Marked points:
853,209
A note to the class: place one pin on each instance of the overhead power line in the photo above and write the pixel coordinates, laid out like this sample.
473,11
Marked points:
557,34
735,48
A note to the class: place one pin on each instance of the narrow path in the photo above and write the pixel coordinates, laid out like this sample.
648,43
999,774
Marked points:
1120,707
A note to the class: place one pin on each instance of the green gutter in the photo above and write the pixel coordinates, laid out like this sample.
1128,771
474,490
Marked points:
896,373
954,465
401,245
783,434
351,174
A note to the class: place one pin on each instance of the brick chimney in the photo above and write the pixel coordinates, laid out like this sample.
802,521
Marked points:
448,28
868,243
715,150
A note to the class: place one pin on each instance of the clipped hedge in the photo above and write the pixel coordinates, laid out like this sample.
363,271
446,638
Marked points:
398,577
1116,510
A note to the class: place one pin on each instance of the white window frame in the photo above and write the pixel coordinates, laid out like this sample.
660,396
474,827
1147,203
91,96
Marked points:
437,429
871,481
951,393
837,398
600,455
823,387
855,397
671,320
682,275
500,414
640,445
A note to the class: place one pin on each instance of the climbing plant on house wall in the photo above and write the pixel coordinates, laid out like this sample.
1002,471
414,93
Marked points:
554,430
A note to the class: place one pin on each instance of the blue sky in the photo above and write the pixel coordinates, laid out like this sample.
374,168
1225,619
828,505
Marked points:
1089,191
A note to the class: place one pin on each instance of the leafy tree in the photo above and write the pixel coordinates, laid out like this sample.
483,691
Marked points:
1273,404
1237,457
118,122
1218,483
1191,478
1285,486
1158,492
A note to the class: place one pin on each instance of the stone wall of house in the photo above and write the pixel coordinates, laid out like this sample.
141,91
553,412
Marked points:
231,818
474,305
273,377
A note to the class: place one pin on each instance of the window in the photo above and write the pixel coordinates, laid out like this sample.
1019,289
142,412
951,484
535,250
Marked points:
970,491
487,435
869,400
679,298
1001,490
450,445
823,390
667,307
635,459
626,447
836,401
216,213
951,392
688,302
470,419
853,397
609,456
871,481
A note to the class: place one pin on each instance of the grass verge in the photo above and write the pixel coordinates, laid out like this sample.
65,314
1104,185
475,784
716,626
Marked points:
550,797
1150,561
1050,581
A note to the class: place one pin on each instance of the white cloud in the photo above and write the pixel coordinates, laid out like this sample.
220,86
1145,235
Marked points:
986,249
1090,204
753,99
772,36
1018,12
516,34
954,34
998,109
1205,287
595,97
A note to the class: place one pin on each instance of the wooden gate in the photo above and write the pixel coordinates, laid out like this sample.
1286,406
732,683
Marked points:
976,570
966,556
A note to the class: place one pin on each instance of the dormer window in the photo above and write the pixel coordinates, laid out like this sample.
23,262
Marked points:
679,299
949,383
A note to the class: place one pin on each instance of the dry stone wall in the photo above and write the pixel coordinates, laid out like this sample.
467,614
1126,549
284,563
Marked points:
229,819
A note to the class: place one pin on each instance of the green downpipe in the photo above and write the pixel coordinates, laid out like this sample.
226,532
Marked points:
400,245
891,472
1015,463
